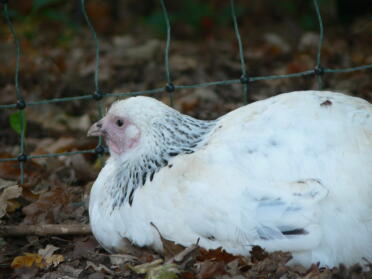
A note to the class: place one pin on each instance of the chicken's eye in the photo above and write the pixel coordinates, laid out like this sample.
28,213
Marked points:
119,122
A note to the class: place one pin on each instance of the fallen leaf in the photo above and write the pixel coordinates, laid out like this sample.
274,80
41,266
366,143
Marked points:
54,260
6,183
83,170
82,248
43,259
217,255
100,267
97,275
28,260
258,254
120,259
210,269
26,272
144,268
48,251
189,253
157,270
49,145
188,275
170,248
9,193
166,271
11,170
49,207
68,270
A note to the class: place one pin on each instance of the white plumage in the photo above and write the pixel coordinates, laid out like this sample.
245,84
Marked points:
292,173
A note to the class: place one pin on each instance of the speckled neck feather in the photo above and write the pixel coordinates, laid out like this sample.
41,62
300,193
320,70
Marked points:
176,134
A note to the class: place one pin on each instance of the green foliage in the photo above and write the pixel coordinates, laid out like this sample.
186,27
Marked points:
302,12
192,13
46,9
156,21
43,11
40,4
15,121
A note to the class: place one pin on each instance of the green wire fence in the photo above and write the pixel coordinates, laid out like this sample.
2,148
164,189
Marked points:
169,87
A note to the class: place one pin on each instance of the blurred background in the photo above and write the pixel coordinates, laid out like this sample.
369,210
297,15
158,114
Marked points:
279,37
58,60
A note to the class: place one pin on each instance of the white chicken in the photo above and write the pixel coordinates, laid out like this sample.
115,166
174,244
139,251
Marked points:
291,173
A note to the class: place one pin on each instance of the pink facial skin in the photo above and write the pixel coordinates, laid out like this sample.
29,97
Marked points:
120,133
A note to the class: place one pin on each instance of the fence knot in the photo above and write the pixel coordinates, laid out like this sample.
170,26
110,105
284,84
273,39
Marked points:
244,79
170,87
22,158
21,104
319,70
97,95
99,150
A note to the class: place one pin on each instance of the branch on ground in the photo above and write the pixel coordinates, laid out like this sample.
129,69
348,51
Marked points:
44,230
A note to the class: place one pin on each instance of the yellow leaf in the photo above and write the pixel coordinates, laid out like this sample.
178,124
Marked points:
28,260
146,267
166,271
54,260
157,270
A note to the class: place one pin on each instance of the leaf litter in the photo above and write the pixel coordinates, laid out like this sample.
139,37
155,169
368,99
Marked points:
56,189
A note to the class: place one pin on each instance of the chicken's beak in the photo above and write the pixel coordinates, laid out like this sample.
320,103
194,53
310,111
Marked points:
96,130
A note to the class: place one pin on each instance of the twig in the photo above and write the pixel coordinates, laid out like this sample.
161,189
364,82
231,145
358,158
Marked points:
184,254
44,230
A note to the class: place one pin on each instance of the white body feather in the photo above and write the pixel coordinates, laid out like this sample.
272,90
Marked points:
274,166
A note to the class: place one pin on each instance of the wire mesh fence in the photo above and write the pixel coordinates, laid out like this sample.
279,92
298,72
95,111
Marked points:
245,79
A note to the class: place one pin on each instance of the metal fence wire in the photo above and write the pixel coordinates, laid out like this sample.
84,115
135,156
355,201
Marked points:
318,71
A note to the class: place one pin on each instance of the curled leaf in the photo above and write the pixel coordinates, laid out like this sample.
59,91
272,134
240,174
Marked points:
9,193
157,270
54,260
47,251
28,260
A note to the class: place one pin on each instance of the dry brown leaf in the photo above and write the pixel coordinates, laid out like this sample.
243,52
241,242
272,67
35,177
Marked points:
83,170
82,248
258,254
97,275
99,267
29,195
6,183
8,194
48,207
26,272
210,269
49,145
11,171
217,255
170,248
